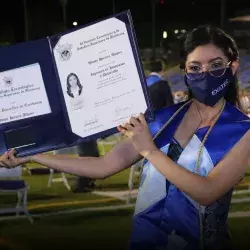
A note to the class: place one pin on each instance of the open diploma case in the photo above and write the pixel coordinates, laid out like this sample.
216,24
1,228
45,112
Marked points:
40,112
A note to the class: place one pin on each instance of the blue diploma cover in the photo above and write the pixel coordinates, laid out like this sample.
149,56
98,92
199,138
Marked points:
62,90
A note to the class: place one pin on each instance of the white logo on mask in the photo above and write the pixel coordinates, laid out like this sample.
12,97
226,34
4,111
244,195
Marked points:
220,88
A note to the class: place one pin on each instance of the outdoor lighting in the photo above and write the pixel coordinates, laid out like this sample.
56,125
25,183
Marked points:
75,23
165,34
183,31
176,31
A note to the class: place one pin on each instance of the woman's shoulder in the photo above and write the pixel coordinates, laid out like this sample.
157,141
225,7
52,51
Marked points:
166,112
162,115
233,114
233,124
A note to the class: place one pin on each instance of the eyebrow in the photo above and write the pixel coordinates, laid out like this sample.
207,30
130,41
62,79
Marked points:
211,60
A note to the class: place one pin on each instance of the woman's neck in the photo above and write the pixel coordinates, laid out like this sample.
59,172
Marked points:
74,89
208,113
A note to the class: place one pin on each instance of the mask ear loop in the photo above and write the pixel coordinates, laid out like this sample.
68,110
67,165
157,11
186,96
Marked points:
230,63
190,95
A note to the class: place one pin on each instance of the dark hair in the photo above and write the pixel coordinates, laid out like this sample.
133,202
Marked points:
69,87
156,65
207,34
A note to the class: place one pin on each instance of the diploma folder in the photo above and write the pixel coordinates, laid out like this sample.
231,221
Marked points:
60,91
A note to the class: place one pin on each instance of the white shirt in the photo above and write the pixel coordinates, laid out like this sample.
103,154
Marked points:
75,92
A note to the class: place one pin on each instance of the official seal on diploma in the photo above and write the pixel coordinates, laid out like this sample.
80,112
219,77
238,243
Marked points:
64,51
7,80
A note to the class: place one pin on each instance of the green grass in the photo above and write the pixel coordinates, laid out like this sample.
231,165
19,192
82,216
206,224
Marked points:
95,230
39,193
237,196
109,230
117,182
240,229
244,206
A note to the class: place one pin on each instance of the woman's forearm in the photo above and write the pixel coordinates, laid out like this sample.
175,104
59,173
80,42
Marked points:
92,167
122,156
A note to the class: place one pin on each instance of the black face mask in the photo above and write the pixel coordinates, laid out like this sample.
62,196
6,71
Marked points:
209,89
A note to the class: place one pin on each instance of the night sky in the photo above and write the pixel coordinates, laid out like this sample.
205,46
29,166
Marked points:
45,16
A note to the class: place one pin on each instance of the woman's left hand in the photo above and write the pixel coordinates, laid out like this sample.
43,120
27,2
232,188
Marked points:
137,130
9,160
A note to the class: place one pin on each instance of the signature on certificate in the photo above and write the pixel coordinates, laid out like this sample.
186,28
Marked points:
121,111
77,103
91,121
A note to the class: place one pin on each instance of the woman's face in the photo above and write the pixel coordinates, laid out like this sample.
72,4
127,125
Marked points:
73,81
207,57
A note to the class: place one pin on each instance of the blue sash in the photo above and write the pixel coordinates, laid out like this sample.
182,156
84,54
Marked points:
164,218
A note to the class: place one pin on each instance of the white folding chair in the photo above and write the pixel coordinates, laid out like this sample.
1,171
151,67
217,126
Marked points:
11,182
62,179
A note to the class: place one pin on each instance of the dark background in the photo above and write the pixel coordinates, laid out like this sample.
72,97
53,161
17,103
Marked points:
45,17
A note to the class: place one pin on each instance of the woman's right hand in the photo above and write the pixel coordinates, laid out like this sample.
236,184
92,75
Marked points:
9,160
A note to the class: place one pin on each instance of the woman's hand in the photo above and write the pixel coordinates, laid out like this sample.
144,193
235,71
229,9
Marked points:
9,160
137,130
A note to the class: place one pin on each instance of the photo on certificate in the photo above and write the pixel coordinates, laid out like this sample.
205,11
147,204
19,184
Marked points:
75,92
74,87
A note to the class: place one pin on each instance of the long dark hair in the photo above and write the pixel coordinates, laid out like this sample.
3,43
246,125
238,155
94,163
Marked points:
78,84
207,34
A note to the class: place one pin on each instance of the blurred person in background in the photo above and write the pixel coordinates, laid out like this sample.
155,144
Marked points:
159,89
180,96
245,100
157,69
160,95
179,92
86,149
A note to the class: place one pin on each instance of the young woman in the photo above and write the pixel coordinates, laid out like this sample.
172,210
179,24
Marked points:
195,153
74,87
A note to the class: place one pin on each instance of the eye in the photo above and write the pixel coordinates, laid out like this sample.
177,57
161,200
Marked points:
194,68
217,65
